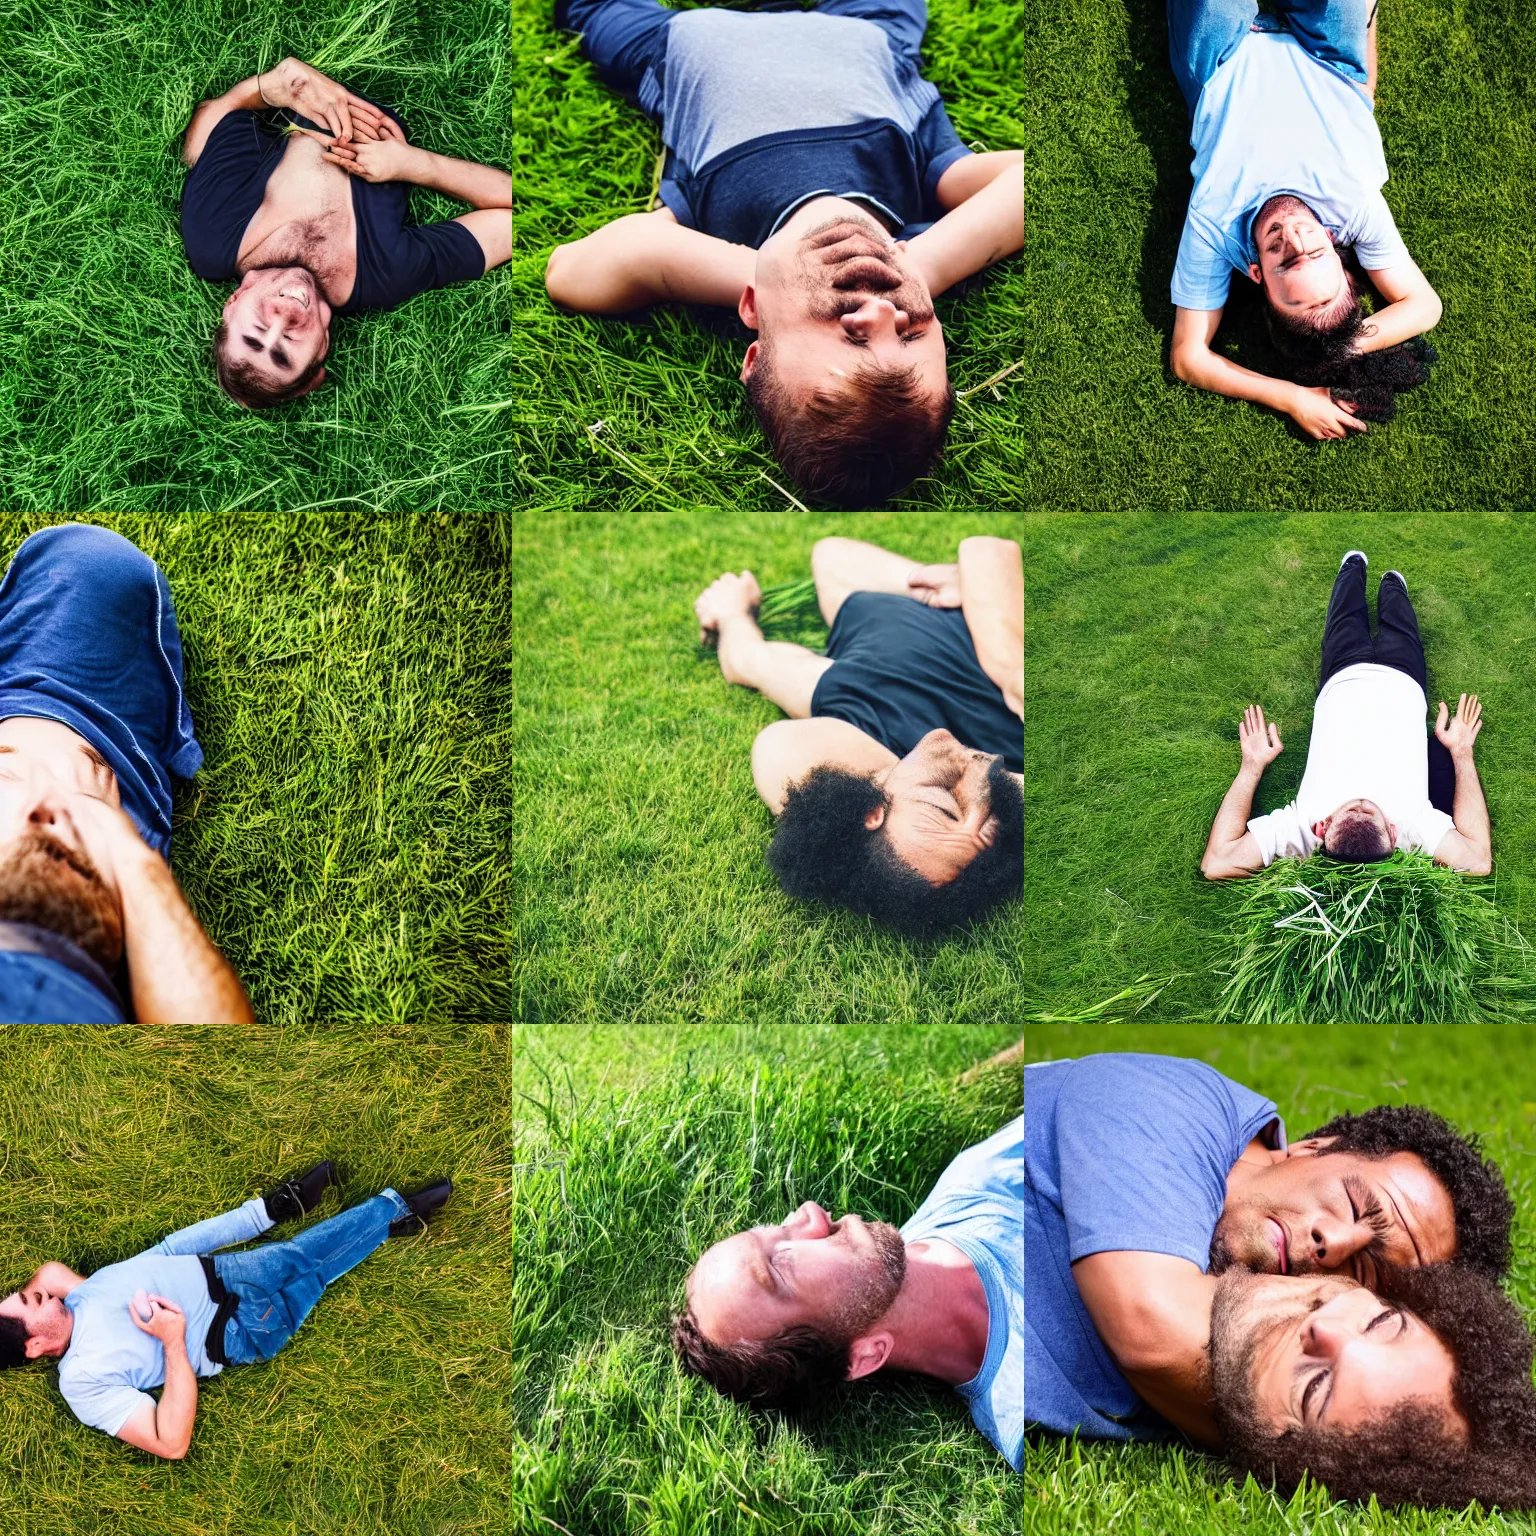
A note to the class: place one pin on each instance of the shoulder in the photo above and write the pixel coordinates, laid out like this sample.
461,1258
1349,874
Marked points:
788,750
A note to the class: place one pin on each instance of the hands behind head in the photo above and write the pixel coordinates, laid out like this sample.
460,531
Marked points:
726,597
1459,735
936,585
1259,740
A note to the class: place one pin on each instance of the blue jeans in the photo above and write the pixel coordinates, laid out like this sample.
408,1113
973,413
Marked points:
1204,34
278,1284
626,40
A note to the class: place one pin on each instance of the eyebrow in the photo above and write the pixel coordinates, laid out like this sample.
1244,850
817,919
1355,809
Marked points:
1418,1257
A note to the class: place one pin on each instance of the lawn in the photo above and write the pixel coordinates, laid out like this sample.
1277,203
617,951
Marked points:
1146,636
638,842
107,390
676,427
1481,1078
1108,427
343,844
633,1149
386,1413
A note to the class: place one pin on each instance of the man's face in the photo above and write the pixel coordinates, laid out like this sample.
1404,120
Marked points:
278,321
1322,1353
1338,1211
834,293
838,1276
1352,813
1298,265
48,1320
947,803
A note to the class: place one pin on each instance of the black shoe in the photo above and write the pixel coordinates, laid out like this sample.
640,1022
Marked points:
297,1197
423,1204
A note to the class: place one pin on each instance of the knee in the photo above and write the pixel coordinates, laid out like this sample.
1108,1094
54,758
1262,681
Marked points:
84,552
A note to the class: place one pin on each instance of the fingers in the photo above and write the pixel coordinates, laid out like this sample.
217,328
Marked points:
1353,423
344,117
1274,737
389,128
1442,718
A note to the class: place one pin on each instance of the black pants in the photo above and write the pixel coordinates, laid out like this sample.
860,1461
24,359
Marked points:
1347,641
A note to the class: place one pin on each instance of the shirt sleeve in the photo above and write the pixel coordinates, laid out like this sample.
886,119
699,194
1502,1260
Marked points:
104,1405
938,147
1281,835
222,192
1429,828
1202,275
1377,242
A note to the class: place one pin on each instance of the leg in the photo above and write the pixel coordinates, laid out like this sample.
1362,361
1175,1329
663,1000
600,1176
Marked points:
1397,630
1336,32
626,40
842,566
1202,36
237,1226
1347,632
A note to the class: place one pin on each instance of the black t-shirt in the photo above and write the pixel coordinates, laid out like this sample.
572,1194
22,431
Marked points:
395,260
901,669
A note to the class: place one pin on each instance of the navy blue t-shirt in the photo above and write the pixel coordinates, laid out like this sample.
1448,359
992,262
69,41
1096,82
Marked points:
396,260
902,669
1121,1153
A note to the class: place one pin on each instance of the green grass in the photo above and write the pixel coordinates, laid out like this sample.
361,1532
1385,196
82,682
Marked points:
107,391
1479,1076
638,843
633,1150
1145,637
1108,427
677,430
344,842
386,1413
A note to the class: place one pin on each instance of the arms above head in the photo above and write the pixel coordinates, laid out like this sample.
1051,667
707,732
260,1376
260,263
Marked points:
1232,850
55,1278
1412,308
992,598
985,226
786,751
165,1428
1153,1312
1469,845
647,258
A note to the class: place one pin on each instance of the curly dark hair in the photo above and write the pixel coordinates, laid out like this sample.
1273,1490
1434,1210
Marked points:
1484,1210
1412,1456
13,1343
782,1372
822,851
1359,841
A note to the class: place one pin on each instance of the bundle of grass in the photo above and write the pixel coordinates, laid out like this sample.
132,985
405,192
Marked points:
1400,942
789,611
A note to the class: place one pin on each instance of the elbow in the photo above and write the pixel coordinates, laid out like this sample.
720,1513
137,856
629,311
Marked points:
1482,865
1433,310
557,276
1183,367
1213,868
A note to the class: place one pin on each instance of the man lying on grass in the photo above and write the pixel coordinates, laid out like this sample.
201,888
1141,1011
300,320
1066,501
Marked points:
1374,780
1288,175
814,184
181,1310
308,214
782,1313
897,781
93,728
1329,1307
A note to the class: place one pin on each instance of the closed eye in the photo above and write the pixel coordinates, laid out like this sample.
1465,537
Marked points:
253,344
1309,1395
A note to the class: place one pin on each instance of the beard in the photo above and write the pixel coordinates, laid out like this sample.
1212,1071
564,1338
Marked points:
844,263
870,1295
1005,800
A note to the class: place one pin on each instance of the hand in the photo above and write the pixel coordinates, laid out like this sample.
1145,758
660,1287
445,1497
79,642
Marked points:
301,88
167,1322
1458,736
109,836
385,159
726,597
1261,743
1314,411
936,585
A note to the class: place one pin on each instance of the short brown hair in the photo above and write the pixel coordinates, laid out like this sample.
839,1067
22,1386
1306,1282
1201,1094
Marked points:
246,385
35,889
781,1372
856,447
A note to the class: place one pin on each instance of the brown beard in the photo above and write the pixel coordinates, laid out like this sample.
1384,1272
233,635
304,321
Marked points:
835,289
50,886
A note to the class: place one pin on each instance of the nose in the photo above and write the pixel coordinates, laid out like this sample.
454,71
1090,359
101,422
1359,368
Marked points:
812,1220
876,317
1325,1334
45,804
1335,1243
1293,240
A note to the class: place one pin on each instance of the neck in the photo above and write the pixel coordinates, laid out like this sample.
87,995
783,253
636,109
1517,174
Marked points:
939,1320
1251,1161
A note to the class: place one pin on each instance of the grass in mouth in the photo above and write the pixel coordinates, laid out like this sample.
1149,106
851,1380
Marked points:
1400,942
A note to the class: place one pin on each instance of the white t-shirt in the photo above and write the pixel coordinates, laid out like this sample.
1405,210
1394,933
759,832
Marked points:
1272,120
1368,741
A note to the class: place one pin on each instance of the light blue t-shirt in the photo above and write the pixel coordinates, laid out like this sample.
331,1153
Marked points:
975,1207
1121,1152
1274,119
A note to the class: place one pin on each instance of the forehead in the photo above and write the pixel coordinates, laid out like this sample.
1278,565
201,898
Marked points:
726,1283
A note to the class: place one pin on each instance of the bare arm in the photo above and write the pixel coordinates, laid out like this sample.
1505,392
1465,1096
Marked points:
165,1428
992,599
983,229
783,672
55,1278
1469,847
843,566
647,258
786,751
1412,308
966,177
1153,1312
1232,850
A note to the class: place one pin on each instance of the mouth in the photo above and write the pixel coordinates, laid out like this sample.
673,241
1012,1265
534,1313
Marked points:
1282,1242
297,292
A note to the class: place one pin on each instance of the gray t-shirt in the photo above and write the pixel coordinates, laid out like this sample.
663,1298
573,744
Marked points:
978,1207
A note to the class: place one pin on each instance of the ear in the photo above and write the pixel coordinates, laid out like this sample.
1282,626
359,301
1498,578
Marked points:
1310,1147
1320,828
868,1354
1255,273
749,362
314,383
746,307
36,1347
875,819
